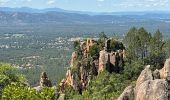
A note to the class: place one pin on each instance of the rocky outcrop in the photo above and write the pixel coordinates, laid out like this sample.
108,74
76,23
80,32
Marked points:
84,67
153,90
73,58
102,61
150,86
156,74
165,71
68,78
111,61
128,94
44,81
89,43
78,73
145,75
86,45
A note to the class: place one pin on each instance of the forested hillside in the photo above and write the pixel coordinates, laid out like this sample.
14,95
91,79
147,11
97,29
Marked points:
99,69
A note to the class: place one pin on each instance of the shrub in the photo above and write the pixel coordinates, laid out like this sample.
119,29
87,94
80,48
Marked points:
18,91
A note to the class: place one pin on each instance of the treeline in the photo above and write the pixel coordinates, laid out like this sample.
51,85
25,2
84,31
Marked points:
150,48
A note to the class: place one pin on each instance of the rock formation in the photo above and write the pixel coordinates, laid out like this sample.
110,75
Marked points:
145,75
165,71
101,61
89,43
73,57
44,81
111,61
128,94
156,74
153,90
149,85
86,45
83,69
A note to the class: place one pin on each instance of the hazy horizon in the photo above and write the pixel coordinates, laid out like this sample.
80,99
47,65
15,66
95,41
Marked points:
85,10
91,6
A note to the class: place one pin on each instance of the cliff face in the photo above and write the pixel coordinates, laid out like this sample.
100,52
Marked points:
83,69
111,61
150,85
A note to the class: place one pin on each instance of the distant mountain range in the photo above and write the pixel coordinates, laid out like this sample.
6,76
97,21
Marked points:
57,15
33,10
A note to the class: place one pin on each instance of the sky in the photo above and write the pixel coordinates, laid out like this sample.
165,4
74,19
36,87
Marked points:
92,5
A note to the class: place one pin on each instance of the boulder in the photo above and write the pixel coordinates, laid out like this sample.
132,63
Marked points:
149,86
128,94
153,90
145,75
165,71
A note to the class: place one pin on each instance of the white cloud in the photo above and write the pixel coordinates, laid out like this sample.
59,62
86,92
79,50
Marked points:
2,2
50,2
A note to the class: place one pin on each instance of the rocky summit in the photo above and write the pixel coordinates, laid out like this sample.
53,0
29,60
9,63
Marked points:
149,85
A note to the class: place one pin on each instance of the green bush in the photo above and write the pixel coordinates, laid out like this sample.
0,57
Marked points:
106,86
8,74
70,93
18,91
94,50
76,45
132,70
116,45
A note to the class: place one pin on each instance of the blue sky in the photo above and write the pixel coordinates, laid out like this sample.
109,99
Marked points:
92,5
